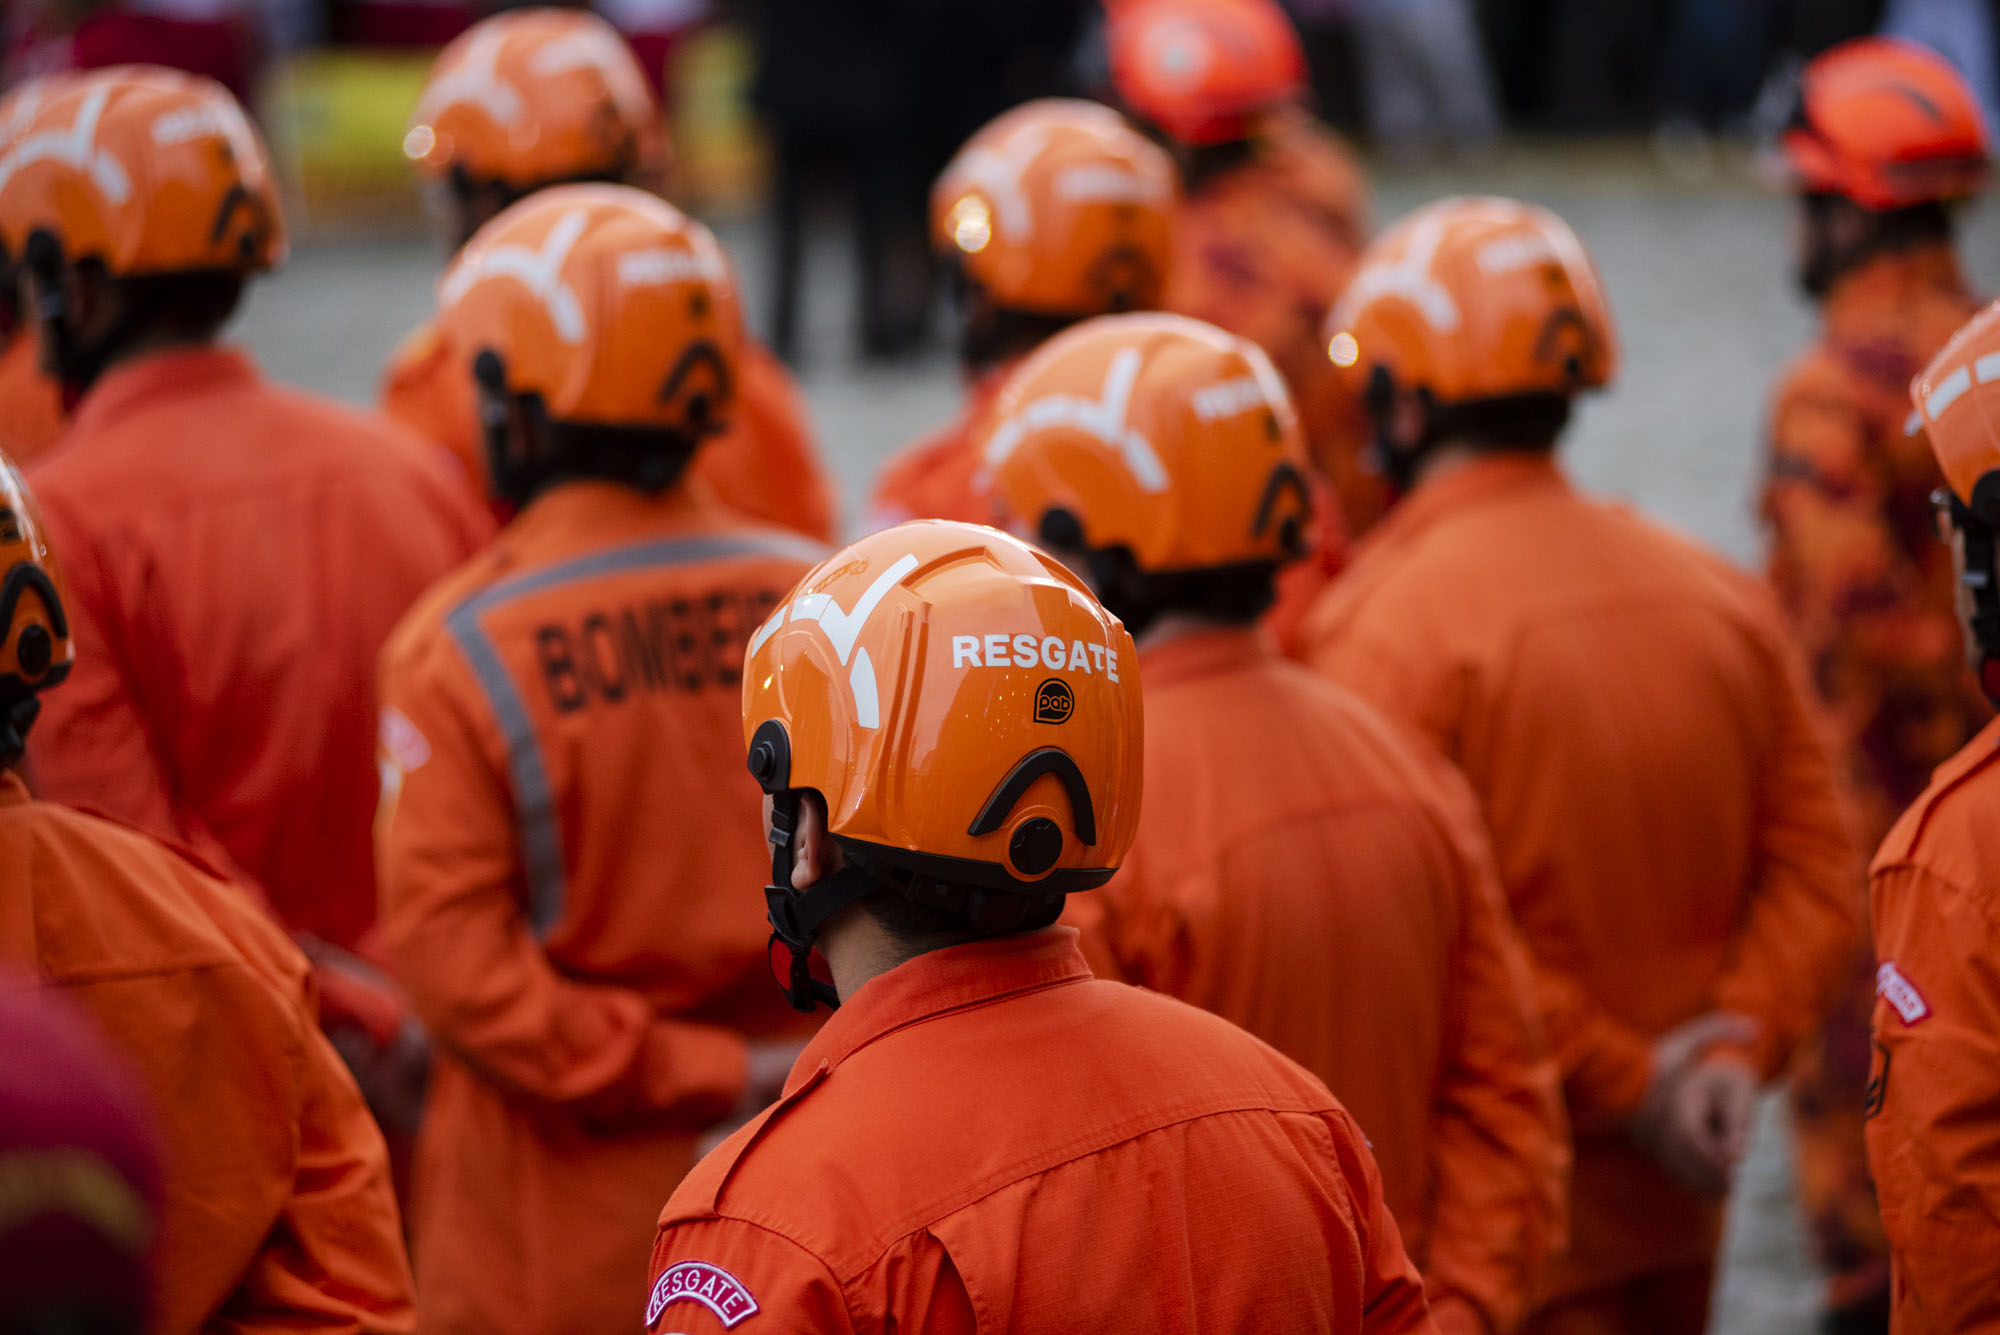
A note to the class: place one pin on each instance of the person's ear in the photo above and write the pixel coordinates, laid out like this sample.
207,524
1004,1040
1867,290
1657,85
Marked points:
817,856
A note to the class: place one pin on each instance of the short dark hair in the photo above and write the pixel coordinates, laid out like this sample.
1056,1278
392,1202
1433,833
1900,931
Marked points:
1517,423
194,304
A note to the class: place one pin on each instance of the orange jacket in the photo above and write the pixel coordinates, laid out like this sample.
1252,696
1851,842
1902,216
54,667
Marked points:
1636,725
1934,1097
984,1138
236,553
765,466
1854,555
278,1212
1312,873
570,857
31,411
933,478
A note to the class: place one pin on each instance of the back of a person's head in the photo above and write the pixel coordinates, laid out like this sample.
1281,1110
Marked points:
80,1185
1055,211
602,327
1161,454
968,716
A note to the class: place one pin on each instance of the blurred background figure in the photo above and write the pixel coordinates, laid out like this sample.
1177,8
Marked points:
79,1174
537,97
1424,69
878,94
1885,147
1055,212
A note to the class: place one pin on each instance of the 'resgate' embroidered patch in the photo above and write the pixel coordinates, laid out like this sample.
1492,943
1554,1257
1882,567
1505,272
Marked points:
1900,993
699,1282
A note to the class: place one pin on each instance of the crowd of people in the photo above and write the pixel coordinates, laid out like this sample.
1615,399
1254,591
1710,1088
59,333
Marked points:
1276,854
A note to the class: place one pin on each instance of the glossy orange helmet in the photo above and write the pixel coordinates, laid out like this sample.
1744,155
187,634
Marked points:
971,717
1205,71
1155,441
1058,207
530,97
600,306
145,170
38,650
1887,124
1468,302
1957,400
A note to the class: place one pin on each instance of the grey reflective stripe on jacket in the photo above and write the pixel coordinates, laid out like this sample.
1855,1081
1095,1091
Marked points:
534,798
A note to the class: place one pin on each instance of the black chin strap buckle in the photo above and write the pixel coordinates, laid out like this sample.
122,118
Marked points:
801,990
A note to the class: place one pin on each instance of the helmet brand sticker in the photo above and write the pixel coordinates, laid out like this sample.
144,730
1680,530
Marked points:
699,1282
1053,701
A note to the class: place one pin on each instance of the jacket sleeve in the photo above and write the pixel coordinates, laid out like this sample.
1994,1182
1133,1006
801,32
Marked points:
710,1274
1934,1139
1845,574
1500,1142
454,925
335,1260
1392,1296
1796,945
1605,1063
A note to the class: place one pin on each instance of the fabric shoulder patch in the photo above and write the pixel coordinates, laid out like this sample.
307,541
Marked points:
1900,993
699,1282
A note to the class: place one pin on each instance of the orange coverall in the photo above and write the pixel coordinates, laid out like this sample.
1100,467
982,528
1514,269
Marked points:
1309,871
1869,591
986,1138
1637,727
570,857
236,554
1934,1094
31,413
278,1213
765,466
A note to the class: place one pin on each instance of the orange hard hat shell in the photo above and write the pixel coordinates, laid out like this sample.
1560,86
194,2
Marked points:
1888,124
533,96
1957,398
607,302
38,649
949,690
1059,207
1204,70
147,170
1473,299
1156,433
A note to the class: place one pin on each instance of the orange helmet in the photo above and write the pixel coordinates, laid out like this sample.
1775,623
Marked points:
147,170
970,715
604,303
1058,207
1887,124
1958,406
534,96
1474,299
38,650
1205,70
1157,434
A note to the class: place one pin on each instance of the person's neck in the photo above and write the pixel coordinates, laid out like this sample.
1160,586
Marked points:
1170,626
1445,458
857,948
151,343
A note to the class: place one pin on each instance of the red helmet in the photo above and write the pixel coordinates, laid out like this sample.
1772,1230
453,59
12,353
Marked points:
1887,124
1205,70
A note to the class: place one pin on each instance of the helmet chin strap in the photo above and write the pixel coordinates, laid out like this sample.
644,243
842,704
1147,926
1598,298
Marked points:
798,915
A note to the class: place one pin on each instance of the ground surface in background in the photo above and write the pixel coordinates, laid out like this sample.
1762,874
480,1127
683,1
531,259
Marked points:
1699,280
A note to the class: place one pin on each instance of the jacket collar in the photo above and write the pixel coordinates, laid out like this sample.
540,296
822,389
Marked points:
939,982
125,389
1880,295
1481,480
1205,653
